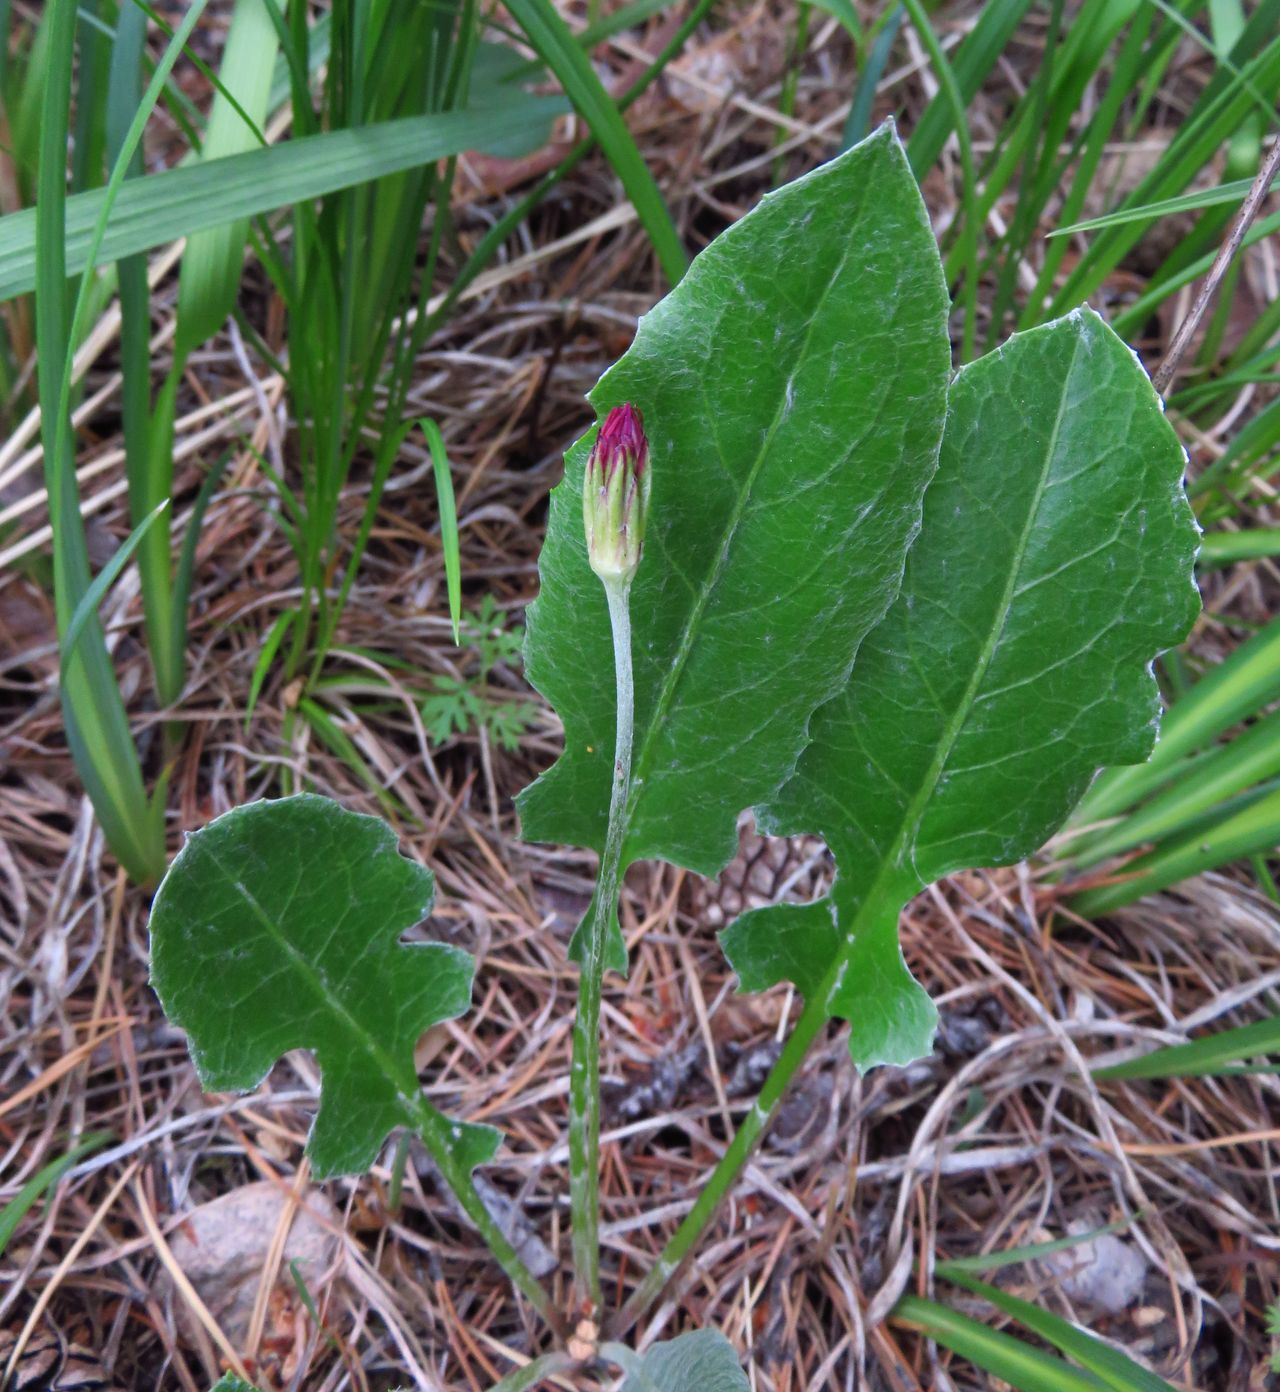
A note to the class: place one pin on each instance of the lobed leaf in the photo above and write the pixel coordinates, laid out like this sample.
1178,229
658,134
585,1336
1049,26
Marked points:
1054,563
277,928
793,388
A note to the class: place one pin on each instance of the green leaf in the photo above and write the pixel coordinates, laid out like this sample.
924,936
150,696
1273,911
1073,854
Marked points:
190,198
1054,563
701,1361
229,1382
277,928
792,388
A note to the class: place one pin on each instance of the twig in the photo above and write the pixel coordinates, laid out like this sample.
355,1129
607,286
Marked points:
1248,211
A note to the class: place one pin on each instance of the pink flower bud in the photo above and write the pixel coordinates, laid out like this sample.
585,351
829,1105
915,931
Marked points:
615,495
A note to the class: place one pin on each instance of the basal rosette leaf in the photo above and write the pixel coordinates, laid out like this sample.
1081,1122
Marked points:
278,927
1053,565
793,390
702,1360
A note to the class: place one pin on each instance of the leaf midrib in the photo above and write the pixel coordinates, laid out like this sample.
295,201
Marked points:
891,862
688,635
918,805
322,992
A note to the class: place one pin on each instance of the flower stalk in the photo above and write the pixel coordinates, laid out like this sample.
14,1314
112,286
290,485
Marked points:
615,499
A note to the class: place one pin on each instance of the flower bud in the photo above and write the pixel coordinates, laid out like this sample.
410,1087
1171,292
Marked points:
615,496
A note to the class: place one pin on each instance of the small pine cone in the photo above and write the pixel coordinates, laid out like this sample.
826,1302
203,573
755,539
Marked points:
766,869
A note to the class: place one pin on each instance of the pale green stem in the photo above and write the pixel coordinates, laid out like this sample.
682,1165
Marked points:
584,1078
534,1372
753,1126
434,1130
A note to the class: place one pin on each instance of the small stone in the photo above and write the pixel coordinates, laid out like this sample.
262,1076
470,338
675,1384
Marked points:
222,1247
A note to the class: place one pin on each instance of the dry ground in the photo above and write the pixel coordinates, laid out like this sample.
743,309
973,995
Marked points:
998,1139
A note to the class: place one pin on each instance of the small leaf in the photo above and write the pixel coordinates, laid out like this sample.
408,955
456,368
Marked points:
229,1382
785,942
1054,563
701,1361
277,928
793,389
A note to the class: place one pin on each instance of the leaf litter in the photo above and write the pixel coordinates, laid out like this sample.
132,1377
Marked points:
990,1143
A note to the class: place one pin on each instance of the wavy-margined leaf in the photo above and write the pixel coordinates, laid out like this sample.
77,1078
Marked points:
278,927
1054,563
793,389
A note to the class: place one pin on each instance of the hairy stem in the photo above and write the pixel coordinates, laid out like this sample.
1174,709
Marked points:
584,1078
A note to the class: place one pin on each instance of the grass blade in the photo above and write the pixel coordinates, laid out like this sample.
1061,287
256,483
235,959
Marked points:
1109,1365
1233,192
266,656
45,1179
975,58
1204,782
187,556
1021,1366
1219,549
1012,1256
210,275
448,523
969,189
1233,691
1244,826
556,46
189,199
94,595
858,122
1209,1056
96,723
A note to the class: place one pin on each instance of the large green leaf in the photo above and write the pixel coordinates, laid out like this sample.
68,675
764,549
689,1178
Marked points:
277,928
793,391
178,202
1054,563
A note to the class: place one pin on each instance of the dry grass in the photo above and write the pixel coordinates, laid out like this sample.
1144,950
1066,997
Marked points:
999,1138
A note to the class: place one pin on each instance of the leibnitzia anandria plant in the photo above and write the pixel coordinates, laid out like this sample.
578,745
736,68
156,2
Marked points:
908,611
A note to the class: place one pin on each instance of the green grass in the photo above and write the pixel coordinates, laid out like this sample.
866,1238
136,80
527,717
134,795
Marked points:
384,94
372,161
1207,795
